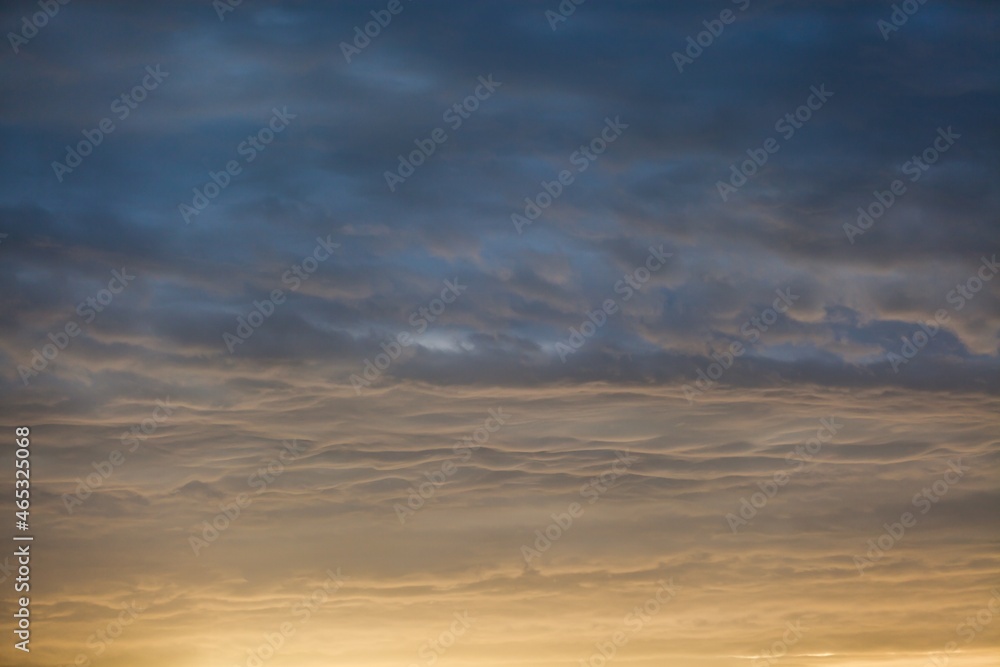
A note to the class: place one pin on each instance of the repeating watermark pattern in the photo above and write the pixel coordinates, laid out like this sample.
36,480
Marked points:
30,25
463,449
372,29
581,158
562,13
633,623
901,13
455,116
957,298
797,458
629,284
751,331
562,522
779,649
98,642
918,340
88,310
302,610
420,320
924,501
248,149
967,631
85,487
697,44
122,108
787,125
229,512
293,278
965,292
432,649
915,168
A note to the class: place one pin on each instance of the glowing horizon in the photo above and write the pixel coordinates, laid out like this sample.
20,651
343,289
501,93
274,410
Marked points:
556,334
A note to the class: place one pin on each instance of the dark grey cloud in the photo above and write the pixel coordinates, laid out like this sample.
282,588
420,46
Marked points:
656,185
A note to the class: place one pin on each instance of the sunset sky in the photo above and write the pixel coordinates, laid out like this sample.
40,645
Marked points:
494,334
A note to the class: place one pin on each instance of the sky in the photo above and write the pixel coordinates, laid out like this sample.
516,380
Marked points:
413,332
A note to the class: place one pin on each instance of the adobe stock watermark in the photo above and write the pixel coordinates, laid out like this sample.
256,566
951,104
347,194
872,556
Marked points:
302,610
901,13
697,44
363,37
248,149
801,454
121,107
419,321
463,449
85,487
30,25
786,126
779,649
88,310
915,167
967,630
293,278
592,490
269,470
627,287
957,298
223,7
965,292
98,642
581,158
924,501
632,624
751,331
454,115
435,647
565,9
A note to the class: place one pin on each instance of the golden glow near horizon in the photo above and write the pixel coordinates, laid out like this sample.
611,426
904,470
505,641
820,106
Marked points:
439,333
634,562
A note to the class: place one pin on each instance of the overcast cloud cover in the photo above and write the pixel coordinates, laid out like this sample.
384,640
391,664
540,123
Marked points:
891,329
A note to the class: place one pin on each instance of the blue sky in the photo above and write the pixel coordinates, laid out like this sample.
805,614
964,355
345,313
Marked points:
840,348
